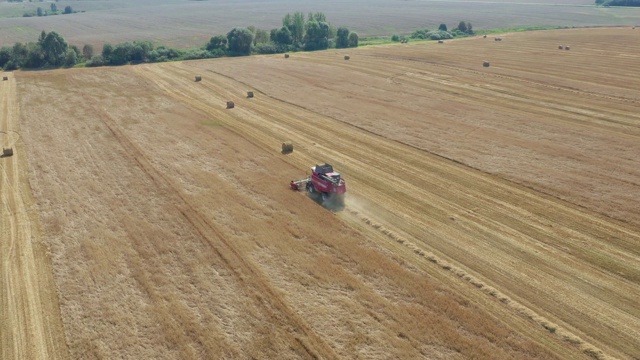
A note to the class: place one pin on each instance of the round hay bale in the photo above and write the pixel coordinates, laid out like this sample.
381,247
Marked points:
560,47
567,47
286,56
5,78
346,57
287,147
230,105
484,37
485,64
198,78
249,94
7,151
440,42
498,39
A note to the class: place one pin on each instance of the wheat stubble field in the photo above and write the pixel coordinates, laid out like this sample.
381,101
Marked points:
491,212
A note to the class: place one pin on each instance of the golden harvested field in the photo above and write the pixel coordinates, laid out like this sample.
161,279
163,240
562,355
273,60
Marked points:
491,211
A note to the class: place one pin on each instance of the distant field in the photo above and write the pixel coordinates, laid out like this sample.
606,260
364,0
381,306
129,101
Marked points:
183,24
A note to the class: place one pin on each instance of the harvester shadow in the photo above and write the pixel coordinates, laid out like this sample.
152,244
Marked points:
334,204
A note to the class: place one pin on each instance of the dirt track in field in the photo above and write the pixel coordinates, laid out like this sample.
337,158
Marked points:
491,212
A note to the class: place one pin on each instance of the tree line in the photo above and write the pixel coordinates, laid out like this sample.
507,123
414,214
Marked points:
618,2
298,32
464,28
51,50
54,11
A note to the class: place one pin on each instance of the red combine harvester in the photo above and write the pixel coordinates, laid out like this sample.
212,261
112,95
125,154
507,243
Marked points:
324,184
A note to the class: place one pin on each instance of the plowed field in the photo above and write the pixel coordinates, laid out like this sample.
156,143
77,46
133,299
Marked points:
491,211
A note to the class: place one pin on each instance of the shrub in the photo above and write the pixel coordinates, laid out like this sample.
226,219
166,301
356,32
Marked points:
342,39
239,41
71,58
353,39
439,35
5,55
195,54
217,53
420,34
266,48
217,42
96,60
10,65
162,54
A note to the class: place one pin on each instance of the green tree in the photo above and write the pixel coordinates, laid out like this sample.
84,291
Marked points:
19,54
342,38
469,28
442,27
317,36
76,50
43,35
71,58
96,60
54,8
297,33
122,54
39,11
260,37
317,16
217,42
295,24
147,47
462,26
35,57
283,36
87,51
68,10
54,48
240,41
353,39
107,50
5,55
